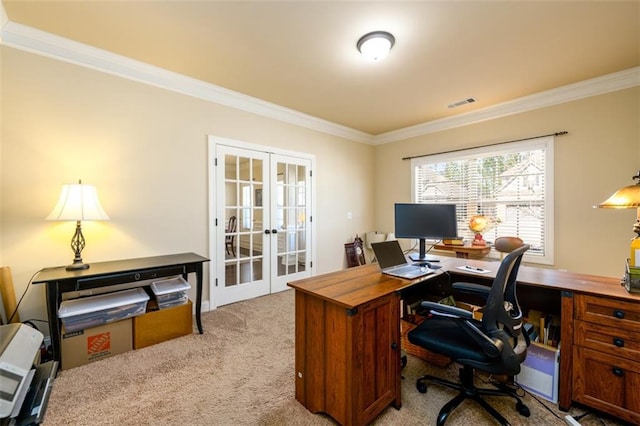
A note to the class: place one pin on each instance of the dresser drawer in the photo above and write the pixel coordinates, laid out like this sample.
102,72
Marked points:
610,312
611,340
607,383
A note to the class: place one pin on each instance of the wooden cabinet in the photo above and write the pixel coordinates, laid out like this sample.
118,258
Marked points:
606,355
347,356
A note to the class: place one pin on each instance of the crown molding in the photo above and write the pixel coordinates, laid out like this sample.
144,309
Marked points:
42,43
596,86
3,19
29,39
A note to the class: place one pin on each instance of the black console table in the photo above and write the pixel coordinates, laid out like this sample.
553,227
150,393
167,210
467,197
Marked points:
104,274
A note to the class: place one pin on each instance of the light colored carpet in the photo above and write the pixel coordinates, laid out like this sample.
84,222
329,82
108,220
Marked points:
241,372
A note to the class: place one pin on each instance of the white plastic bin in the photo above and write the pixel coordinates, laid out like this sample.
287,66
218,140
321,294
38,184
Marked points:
171,292
87,312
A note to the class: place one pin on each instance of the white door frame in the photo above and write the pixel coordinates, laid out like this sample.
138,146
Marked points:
214,242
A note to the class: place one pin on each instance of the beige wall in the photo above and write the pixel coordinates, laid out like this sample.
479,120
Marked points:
599,155
146,151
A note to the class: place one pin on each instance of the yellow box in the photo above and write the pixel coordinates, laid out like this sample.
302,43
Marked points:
161,325
96,343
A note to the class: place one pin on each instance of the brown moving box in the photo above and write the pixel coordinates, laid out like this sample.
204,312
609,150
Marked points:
96,343
161,325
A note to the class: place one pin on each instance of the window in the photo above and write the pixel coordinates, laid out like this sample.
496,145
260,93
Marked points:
510,183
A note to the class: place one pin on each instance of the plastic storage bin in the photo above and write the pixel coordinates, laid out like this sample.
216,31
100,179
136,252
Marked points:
171,292
87,312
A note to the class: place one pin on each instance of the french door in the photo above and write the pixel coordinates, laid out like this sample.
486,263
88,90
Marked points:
261,230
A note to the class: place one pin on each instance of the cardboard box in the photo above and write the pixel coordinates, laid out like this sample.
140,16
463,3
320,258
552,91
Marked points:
540,371
476,311
161,325
93,344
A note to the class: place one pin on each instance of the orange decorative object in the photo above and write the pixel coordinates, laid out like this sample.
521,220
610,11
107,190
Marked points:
479,224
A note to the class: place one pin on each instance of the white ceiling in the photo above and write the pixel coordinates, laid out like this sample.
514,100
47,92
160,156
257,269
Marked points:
302,54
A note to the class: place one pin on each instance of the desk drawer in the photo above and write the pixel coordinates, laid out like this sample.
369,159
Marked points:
128,277
607,383
613,341
609,312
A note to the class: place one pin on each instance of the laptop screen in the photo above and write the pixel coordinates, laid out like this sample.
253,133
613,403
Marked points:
389,253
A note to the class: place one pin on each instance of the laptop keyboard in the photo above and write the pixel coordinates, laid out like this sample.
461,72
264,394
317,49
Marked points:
405,269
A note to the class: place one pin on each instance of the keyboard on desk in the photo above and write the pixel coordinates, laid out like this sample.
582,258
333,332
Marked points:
408,272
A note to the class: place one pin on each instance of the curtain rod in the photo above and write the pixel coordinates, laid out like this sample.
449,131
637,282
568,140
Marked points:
562,133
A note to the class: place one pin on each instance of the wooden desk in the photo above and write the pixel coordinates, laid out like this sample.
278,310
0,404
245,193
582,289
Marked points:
337,343
348,343
103,274
467,251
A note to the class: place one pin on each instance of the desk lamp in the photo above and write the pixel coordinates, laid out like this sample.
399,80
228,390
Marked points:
628,198
78,202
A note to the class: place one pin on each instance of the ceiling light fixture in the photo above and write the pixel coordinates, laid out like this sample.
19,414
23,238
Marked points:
376,45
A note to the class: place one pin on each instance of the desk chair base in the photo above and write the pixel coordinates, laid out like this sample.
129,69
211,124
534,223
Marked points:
468,390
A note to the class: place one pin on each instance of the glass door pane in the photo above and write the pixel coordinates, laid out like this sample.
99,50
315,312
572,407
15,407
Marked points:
291,210
241,177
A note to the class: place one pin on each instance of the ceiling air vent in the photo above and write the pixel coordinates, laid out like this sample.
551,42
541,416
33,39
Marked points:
462,102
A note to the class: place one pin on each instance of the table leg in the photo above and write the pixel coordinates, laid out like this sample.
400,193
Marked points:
199,297
53,301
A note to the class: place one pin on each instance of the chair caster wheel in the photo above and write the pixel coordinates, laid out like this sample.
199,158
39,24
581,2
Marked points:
522,409
421,386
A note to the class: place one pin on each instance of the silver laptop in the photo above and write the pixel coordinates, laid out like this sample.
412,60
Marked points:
393,262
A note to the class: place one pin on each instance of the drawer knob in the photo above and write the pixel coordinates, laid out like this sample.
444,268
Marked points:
618,371
618,342
618,313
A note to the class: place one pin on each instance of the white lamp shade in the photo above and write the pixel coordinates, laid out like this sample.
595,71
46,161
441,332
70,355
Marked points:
78,202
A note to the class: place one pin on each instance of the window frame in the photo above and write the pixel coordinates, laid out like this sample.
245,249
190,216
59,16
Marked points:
547,144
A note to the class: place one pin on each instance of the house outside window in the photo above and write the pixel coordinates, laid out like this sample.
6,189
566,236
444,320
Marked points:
510,183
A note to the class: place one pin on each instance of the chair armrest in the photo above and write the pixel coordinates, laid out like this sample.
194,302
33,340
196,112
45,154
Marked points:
470,288
446,310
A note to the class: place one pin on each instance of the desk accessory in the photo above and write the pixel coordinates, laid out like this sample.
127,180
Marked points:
473,269
629,198
355,253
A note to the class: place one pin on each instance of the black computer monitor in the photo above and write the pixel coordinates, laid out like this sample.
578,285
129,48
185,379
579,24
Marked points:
425,221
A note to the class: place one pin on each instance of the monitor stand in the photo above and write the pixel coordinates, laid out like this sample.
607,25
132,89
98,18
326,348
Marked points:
422,256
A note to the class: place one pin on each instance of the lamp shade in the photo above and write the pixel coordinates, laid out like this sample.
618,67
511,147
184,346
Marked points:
78,202
624,198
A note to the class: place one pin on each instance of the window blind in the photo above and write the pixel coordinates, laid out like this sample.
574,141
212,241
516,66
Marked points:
511,184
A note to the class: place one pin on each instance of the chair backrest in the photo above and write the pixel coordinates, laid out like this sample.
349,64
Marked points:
502,313
507,244
233,223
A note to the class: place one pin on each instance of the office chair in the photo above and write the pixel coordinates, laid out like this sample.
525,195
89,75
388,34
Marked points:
230,235
495,344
